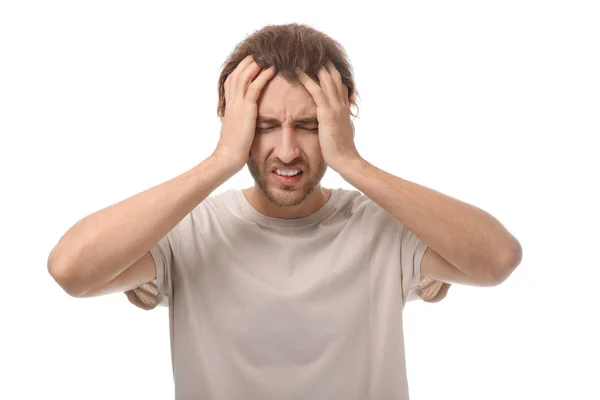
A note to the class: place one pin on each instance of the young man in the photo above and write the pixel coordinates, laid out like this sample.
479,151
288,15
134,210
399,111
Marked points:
285,289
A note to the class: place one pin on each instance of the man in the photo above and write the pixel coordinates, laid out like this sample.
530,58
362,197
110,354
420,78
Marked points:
285,289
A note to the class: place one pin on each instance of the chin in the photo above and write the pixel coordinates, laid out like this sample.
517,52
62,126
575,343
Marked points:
285,196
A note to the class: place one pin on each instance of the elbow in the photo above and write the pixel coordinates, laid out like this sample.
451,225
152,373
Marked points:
62,274
506,266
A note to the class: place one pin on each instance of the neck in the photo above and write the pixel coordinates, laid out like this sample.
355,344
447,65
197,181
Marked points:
315,200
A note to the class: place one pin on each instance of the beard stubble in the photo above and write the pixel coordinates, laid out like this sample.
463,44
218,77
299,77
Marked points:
290,196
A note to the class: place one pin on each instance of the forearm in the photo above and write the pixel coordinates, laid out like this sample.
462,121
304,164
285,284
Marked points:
467,237
102,245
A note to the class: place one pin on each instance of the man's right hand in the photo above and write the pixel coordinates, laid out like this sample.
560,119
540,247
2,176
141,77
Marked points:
241,110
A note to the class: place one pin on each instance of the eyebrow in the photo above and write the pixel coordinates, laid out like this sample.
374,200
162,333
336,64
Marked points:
300,121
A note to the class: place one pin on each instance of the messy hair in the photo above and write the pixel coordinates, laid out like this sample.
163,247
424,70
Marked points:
288,47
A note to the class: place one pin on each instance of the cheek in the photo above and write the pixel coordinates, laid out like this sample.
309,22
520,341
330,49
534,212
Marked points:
258,144
311,146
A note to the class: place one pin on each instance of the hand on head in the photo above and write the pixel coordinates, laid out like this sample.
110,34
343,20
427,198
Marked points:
242,90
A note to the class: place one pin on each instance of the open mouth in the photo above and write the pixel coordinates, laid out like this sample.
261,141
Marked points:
288,176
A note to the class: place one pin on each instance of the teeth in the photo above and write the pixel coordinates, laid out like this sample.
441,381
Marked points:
286,172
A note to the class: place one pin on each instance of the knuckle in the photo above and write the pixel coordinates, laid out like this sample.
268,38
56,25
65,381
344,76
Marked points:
251,93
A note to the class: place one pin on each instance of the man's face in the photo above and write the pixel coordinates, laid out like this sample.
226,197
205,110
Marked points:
284,145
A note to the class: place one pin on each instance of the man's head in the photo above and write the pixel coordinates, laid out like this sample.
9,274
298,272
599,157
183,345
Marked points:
283,142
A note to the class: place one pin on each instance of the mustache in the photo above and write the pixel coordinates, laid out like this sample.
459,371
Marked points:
281,164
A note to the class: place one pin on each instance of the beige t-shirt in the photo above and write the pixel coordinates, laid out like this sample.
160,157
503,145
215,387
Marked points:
308,308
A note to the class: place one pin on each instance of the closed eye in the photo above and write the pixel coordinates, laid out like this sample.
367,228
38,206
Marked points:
264,129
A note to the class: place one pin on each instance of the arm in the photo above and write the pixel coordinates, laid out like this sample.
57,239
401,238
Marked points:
94,256
466,244
101,246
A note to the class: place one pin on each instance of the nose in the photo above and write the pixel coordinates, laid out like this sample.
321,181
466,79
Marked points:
287,147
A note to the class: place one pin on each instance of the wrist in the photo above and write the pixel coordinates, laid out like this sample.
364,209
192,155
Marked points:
227,163
346,165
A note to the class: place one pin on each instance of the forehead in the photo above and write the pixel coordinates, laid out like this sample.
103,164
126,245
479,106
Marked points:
281,100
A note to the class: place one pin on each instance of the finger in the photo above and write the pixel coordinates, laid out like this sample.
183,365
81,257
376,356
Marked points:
249,59
336,77
246,77
335,74
240,67
226,86
346,98
259,83
235,75
328,85
312,88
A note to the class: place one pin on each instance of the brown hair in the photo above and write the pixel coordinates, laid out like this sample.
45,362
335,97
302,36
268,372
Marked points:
288,47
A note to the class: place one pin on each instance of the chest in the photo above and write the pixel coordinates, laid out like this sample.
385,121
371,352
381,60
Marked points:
283,297
276,298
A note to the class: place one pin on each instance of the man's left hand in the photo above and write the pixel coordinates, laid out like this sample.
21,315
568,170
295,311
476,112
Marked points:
336,130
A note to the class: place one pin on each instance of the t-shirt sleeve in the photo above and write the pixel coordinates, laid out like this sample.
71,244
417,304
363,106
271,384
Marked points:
414,285
158,291
163,254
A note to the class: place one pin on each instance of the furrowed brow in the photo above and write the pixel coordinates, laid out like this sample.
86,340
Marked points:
310,120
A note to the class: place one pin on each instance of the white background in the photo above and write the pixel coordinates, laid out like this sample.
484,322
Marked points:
494,103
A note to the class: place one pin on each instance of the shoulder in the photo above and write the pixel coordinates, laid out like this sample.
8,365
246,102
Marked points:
221,201
356,202
216,204
202,218
358,207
